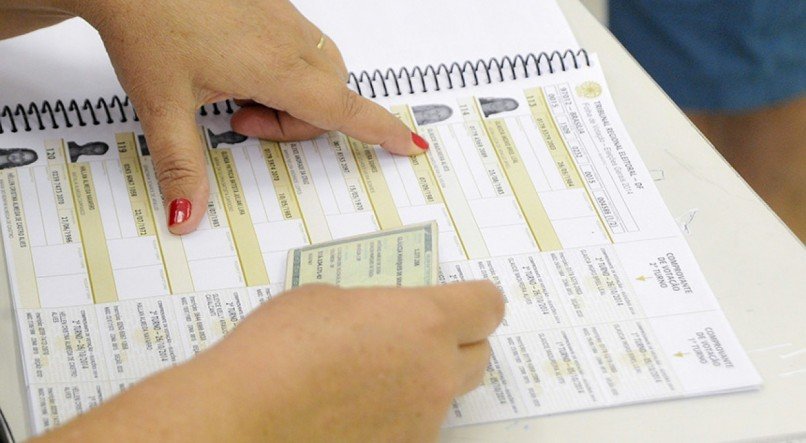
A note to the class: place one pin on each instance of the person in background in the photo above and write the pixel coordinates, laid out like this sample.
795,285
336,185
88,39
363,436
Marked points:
738,70
314,364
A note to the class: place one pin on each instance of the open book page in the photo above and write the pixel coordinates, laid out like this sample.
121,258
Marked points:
377,35
534,184
69,61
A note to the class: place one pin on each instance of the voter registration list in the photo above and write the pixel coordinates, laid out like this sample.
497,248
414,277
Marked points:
534,184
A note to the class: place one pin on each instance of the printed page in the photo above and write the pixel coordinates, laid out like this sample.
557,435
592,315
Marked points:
533,184
479,29
68,61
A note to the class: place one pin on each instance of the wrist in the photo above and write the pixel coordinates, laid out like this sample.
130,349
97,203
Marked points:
247,394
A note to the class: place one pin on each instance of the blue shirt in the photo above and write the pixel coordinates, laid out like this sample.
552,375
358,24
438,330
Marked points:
717,55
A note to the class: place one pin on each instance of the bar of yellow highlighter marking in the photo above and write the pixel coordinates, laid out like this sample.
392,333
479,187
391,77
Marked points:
525,193
551,135
240,221
135,185
96,252
559,151
420,163
17,240
383,205
283,189
424,171
137,191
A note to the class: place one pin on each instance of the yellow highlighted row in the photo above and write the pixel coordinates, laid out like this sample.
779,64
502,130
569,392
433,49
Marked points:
375,184
240,221
17,239
536,99
525,193
569,172
96,252
135,185
283,188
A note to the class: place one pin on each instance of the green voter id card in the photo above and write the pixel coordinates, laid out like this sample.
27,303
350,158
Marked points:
402,257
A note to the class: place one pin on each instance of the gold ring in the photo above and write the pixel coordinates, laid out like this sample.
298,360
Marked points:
321,43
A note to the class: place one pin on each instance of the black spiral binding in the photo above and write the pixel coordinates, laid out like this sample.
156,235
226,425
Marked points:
372,84
445,76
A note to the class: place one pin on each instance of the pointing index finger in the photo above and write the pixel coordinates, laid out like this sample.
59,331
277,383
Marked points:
323,100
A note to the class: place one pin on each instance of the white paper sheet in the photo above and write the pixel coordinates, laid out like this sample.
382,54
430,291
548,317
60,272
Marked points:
69,60
534,183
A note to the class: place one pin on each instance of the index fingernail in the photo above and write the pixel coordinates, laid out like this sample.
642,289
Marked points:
419,141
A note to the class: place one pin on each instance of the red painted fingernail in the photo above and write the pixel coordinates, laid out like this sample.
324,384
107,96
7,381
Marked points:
419,141
178,211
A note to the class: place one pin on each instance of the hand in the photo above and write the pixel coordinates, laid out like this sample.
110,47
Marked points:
20,17
173,56
365,364
319,364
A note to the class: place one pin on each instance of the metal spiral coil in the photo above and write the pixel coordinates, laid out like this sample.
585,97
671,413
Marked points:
372,84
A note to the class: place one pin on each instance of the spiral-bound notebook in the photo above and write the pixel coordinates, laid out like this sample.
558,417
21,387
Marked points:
531,176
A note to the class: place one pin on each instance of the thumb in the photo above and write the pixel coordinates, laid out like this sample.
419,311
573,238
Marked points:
168,117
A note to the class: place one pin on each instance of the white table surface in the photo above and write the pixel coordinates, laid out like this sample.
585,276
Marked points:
754,264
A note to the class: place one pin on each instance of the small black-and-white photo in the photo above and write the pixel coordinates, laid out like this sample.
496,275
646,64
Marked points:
141,140
91,148
228,137
16,157
430,114
496,105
